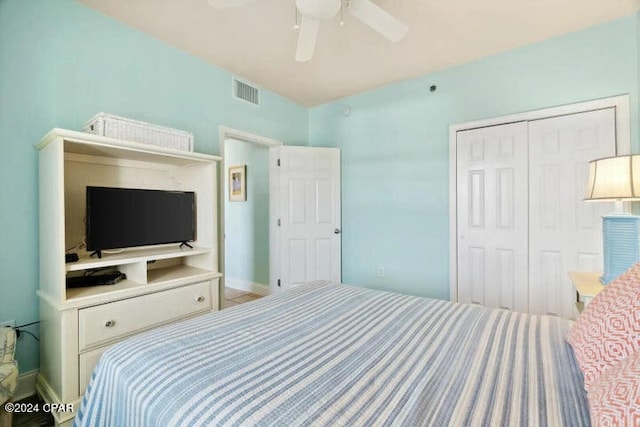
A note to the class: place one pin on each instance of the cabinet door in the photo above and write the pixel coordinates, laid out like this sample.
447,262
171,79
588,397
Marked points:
565,232
492,215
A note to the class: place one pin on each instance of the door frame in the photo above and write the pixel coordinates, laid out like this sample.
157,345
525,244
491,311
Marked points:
225,133
623,146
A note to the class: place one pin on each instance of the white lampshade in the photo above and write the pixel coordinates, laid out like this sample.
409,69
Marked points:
614,178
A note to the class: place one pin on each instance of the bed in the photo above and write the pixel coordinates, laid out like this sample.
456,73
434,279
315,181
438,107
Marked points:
332,354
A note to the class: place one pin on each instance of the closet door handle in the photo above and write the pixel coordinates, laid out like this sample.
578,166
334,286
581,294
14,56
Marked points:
337,231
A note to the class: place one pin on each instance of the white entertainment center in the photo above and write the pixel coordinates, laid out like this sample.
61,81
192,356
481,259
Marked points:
164,283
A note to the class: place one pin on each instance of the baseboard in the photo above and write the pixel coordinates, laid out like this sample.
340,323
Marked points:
26,385
62,419
247,286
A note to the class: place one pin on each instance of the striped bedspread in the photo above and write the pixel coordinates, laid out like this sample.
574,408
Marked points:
337,355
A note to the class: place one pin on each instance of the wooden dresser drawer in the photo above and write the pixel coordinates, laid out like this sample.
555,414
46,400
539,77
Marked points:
107,322
88,361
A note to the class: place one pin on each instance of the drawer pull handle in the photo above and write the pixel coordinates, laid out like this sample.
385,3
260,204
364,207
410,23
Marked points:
110,323
200,299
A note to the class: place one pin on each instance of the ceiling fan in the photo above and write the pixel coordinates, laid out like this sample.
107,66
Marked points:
315,11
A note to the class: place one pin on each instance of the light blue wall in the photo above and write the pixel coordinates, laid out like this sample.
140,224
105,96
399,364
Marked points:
247,223
60,63
395,145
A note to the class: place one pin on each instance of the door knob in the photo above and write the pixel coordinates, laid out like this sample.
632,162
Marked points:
336,231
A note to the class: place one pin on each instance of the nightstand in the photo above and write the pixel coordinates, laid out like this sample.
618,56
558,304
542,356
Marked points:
587,286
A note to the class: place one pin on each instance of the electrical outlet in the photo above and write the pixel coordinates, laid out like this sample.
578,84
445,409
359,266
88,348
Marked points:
9,323
380,271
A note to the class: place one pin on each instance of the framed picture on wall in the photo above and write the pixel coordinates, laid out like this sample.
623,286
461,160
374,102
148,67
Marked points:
238,183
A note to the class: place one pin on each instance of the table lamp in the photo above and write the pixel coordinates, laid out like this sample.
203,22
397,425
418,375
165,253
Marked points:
617,179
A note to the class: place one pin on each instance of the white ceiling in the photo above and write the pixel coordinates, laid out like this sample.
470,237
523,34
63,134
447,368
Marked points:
257,41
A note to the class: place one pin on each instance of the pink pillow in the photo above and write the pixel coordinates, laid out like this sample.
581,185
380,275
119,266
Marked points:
609,328
614,399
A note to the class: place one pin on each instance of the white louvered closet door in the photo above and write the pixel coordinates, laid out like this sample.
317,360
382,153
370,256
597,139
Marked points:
565,232
492,220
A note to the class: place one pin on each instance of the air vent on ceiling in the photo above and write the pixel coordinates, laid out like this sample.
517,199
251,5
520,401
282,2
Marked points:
246,92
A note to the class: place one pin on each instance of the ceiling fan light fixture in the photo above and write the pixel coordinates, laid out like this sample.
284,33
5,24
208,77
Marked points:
312,12
321,10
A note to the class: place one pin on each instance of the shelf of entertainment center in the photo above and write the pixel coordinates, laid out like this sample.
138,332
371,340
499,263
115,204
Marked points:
159,279
132,256
95,146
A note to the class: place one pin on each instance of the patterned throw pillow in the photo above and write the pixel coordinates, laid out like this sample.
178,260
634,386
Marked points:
614,399
609,328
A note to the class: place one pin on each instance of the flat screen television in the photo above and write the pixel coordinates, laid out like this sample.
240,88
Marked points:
128,217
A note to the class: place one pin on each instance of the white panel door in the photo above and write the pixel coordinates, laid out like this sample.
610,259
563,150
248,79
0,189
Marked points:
308,237
565,232
492,216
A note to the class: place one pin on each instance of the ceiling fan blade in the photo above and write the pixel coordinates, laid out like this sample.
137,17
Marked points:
378,19
225,4
307,39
